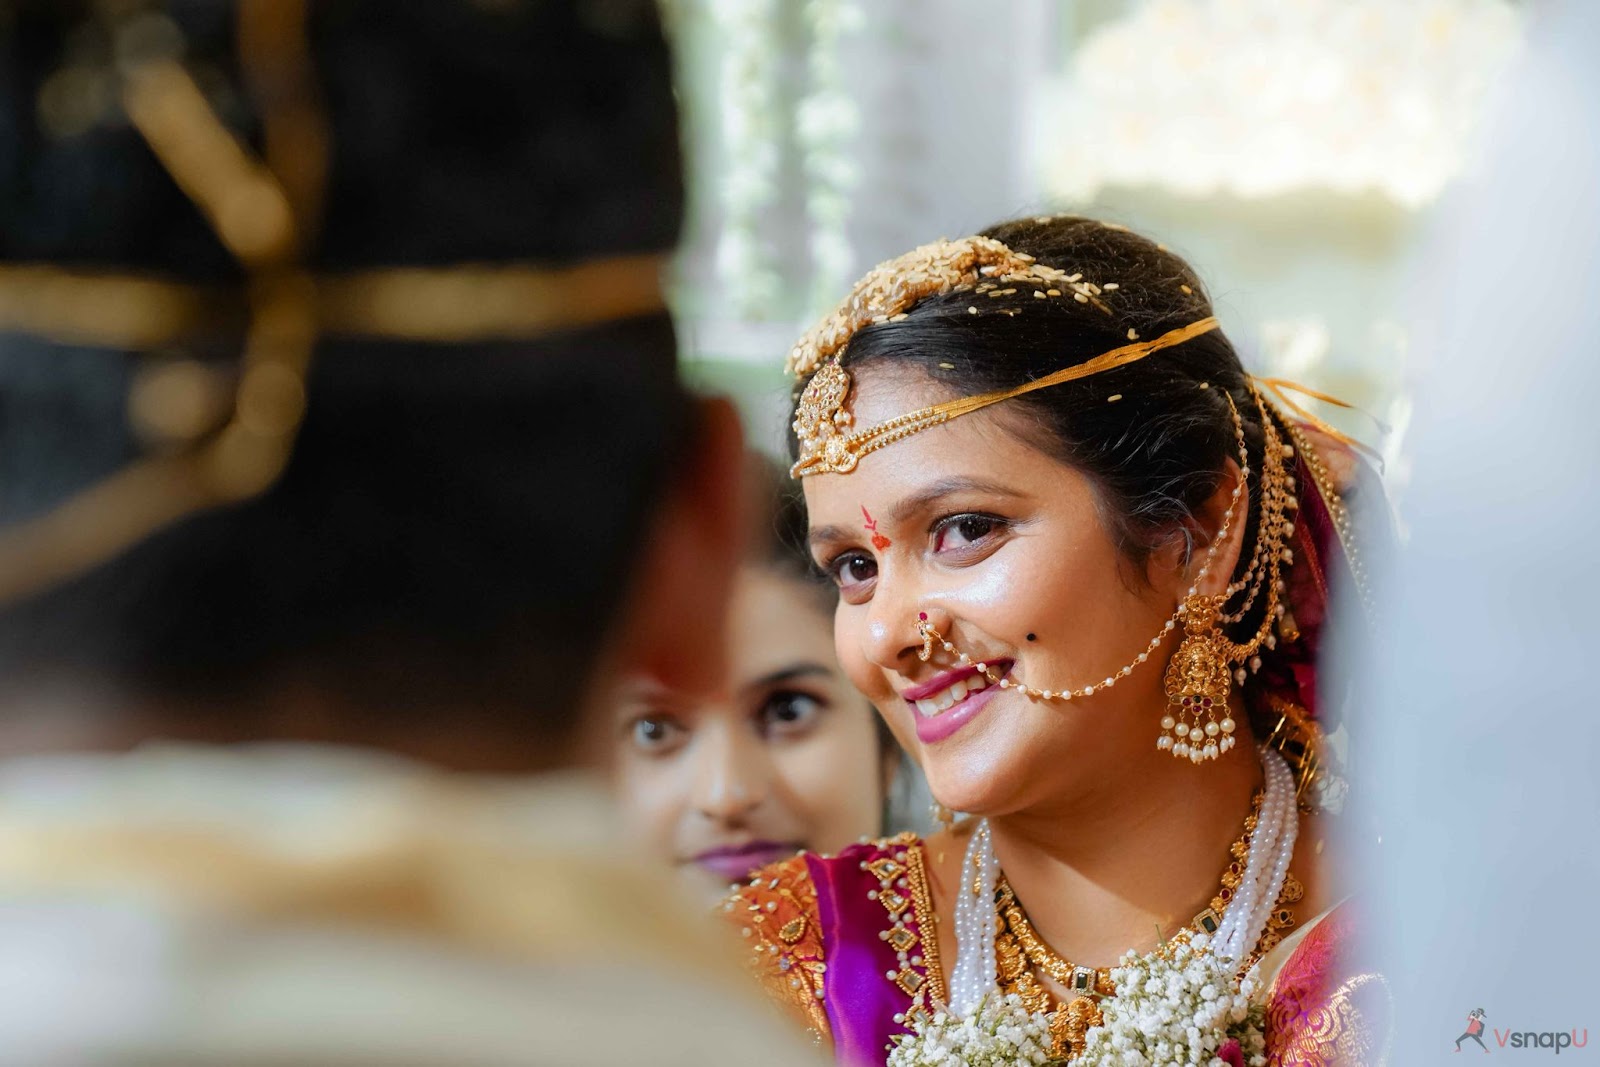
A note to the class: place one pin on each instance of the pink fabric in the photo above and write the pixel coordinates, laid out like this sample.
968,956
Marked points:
861,1001
1324,1008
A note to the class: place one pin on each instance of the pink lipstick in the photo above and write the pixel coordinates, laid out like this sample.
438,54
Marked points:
735,863
932,729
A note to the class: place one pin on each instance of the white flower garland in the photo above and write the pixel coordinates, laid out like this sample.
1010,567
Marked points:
1177,1005
999,1033
1181,1005
753,269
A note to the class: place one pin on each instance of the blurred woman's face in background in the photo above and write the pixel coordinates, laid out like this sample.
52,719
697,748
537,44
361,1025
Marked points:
787,758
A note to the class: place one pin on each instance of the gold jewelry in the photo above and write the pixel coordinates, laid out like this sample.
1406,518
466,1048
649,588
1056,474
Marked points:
885,294
1319,781
893,286
1200,674
930,634
1322,479
1021,954
821,420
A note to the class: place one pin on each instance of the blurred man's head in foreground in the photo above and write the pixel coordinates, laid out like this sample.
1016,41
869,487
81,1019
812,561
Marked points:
472,524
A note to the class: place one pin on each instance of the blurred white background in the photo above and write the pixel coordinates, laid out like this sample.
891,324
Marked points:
1291,149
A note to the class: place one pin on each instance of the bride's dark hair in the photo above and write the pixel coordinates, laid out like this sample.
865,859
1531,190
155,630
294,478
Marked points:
1154,437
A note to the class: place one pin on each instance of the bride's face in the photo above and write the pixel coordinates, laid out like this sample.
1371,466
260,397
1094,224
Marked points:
1005,548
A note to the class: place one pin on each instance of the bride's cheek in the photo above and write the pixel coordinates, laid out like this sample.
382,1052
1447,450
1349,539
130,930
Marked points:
847,646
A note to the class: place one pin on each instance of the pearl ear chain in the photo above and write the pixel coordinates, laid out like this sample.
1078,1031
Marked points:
931,636
1199,677
1243,922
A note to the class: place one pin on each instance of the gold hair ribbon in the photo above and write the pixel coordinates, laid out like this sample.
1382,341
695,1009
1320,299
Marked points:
821,419
1282,387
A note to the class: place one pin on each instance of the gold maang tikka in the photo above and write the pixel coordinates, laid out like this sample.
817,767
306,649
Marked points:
822,419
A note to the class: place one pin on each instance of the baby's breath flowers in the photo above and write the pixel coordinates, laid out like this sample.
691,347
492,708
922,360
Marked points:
1177,1005
999,1032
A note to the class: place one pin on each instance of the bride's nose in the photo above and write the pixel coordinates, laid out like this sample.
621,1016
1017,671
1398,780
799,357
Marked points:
893,640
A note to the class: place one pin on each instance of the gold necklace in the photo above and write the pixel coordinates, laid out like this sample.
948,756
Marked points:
1021,954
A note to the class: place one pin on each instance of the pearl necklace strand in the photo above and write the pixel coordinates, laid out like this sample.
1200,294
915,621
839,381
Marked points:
1271,848
977,923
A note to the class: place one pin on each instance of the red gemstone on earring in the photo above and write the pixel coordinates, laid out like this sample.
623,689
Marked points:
923,615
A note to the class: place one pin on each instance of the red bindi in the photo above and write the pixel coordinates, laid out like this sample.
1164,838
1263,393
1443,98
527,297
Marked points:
879,541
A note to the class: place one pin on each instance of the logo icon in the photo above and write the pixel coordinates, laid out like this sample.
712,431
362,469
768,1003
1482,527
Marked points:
1474,1030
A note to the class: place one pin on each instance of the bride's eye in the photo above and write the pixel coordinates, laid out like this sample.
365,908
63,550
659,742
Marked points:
852,571
965,531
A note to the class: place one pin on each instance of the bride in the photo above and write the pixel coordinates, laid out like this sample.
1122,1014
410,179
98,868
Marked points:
1083,565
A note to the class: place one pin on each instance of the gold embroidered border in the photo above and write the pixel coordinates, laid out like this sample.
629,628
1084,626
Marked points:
777,912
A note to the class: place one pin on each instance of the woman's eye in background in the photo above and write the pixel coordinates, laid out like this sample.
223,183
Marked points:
789,713
656,734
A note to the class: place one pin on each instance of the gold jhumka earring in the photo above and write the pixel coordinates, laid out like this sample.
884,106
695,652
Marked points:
1201,672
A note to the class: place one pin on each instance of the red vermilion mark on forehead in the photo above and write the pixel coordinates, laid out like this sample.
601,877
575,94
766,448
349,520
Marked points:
879,541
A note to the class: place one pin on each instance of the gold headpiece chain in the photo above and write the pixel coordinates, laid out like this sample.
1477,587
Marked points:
821,420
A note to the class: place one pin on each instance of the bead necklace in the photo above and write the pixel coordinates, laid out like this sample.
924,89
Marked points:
976,923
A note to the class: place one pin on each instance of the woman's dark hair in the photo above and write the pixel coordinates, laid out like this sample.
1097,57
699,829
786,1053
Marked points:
777,526
1153,437
457,523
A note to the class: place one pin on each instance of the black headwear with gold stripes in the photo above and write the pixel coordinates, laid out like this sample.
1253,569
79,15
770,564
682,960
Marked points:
309,314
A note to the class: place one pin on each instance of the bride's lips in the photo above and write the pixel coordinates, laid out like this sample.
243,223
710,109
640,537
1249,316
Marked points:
735,863
937,727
